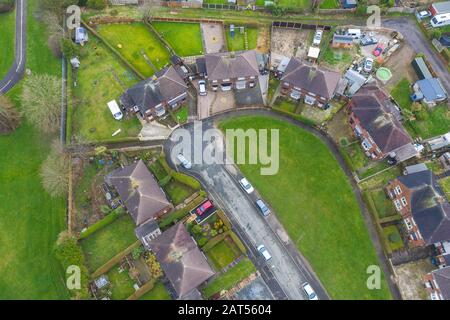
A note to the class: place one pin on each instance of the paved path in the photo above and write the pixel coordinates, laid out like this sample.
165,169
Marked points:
16,71
414,36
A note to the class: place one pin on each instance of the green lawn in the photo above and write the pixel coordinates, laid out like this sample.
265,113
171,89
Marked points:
296,4
182,114
101,78
177,191
383,205
393,238
121,284
445,184
330,4
401,93
354,156
222,254
184,38
29,219
7,34
237,43
105,243
337,56
314,201
158,292
136,39
286,105
229,279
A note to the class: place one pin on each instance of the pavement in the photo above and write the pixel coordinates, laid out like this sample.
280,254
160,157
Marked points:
285,273
414,36
213,37
16,71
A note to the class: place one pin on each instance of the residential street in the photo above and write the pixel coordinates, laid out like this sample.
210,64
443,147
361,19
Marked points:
16,71
414,36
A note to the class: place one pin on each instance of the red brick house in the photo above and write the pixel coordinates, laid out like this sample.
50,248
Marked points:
437,284
376,122
423,206
315,85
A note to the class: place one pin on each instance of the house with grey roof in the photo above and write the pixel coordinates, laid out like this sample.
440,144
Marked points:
232,70
140,192
154,96
183,263
425,209
437,284
374,119
147,231
430,91
316,86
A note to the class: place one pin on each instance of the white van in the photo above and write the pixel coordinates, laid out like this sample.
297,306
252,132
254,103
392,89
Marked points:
115,110
264,252
355,33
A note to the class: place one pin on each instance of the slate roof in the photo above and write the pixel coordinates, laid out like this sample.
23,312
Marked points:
431,89
370,105
171,84
145,229
321,82
139,191
180,258
226,65
342,38
442,278
429,206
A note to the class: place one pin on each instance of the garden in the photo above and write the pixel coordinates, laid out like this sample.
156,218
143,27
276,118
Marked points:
237,43
319,220
184,38
330,4
393,238
137,43
102,77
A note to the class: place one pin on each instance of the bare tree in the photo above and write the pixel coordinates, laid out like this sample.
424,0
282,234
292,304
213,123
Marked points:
9,116
41,101
146,9
55,171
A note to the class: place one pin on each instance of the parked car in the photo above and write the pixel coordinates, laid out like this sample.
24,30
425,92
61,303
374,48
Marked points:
202,87
262,207
368,65
309,291
378,50
184,162
317,37
204,207
423,14
368,40
264,252
246,185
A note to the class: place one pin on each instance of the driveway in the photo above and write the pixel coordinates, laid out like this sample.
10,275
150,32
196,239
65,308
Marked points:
16,71
213,37
414,36
285,272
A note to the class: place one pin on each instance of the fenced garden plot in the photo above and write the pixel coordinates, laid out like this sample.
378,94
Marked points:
100,79
121,283
137,44
184,38
393,238
173,217
158,292
242,41
223,253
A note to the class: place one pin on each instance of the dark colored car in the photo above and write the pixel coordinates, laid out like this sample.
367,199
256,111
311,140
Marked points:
204,207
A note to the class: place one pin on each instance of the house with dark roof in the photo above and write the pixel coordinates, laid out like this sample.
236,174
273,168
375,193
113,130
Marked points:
147,231
342,41
425,210
375,120
183,263
316,86
140,192
232,70
153,96
437,284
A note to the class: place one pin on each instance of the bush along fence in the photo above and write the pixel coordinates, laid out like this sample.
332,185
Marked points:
143,290
177,215
110,218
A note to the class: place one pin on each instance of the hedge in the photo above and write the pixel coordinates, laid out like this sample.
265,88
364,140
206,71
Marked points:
211,243
69,253
176,215
110,218
143,290
224,218
187,180
114,260
238,242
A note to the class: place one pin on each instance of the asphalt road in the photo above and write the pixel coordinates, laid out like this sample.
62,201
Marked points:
285,272
16,71
414,36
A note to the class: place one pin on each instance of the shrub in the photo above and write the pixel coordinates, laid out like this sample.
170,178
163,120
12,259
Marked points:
96,4
186,180
110,218
69,48
69,253
202,241
394,237
137,252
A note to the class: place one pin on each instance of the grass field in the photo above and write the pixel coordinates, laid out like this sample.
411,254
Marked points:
330,4
158,292
237,43
7,34
29,219
230,278
393,238
121,284
177,191
136,39
296,4
100,79
105,243
222,254
184,38
315,203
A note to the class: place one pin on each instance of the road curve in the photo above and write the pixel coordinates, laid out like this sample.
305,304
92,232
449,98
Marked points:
334,149
16,71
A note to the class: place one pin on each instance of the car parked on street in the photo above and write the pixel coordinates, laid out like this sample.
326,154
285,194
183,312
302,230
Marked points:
378,50
246,185
184,162
264,252
202,88
368,65
262,207
309,291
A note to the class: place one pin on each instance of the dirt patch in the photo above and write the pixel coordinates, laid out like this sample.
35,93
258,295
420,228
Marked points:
338,128
290,42
263,41
400,65
410,279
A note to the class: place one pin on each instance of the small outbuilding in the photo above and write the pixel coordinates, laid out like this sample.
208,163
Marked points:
349,4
